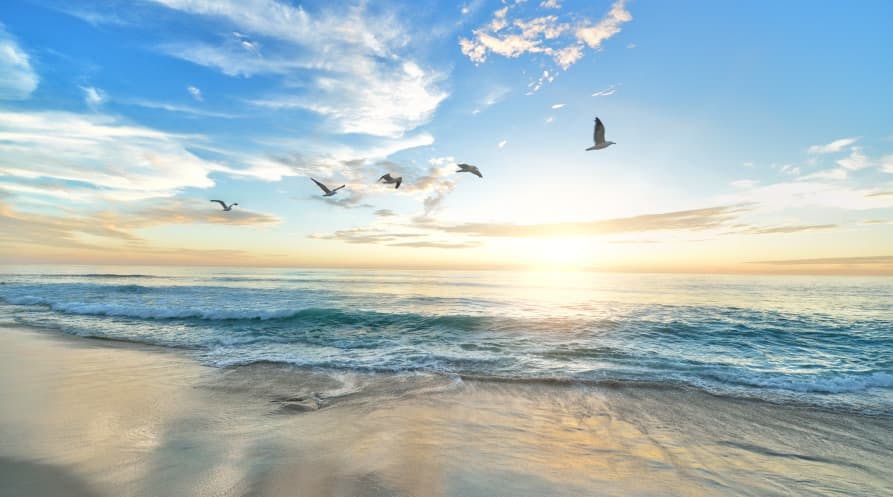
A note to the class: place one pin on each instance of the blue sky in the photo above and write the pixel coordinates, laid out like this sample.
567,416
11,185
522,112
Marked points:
750,137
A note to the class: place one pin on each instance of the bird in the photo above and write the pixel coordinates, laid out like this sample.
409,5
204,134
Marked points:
226,208
328,193
599,136
390,180
468,168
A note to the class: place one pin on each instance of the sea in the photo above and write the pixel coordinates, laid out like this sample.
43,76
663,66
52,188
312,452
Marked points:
820,341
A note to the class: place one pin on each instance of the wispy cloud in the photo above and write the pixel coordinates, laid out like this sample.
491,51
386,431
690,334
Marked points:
126,161
887,163
557,106
93,97
19,79
689,220
120,224
607,92
195,93
771,230
868,260
835,174
833,147
855,161
354,67
182,109
398,237
493,97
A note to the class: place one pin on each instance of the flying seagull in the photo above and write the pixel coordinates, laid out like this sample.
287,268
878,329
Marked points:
226,208
468,168
390,180
328,193
599,136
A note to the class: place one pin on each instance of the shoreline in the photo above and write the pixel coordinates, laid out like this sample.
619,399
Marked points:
558,382
120,418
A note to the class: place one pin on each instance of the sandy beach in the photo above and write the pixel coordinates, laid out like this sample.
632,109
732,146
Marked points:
97,417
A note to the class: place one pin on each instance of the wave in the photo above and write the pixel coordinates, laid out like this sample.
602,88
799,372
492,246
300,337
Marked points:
821,384
319,315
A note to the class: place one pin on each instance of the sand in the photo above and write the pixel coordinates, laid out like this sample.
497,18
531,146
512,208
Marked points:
99,418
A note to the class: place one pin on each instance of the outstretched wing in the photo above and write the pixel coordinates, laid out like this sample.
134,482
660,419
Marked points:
322,186
599,131
399,182
336,189
463,167
220,202
475,171
385,177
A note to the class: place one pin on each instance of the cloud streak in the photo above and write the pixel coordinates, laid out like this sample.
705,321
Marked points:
689,220
869,260
833,147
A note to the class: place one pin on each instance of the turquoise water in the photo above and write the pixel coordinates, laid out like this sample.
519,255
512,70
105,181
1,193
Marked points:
823,341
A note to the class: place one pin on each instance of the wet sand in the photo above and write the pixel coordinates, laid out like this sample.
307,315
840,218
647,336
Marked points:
92,417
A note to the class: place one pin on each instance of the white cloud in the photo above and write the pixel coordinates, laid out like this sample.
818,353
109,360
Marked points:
360,76
609,26
568,56
549,119
557,106
18,79
502,144
551,4
512,37
631,45
835,146
195,93
93,96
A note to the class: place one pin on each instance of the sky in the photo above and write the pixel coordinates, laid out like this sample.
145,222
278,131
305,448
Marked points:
751,137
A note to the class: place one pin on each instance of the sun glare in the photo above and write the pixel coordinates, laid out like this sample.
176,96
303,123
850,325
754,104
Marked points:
557,253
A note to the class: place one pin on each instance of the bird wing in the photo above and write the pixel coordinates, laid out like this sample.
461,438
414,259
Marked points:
599,131
222,204
324,187
386,177
475,171
399,181
336,189
463,167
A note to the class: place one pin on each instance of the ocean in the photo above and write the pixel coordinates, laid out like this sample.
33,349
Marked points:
809,341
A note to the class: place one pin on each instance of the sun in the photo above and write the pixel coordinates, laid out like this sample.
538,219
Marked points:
557,253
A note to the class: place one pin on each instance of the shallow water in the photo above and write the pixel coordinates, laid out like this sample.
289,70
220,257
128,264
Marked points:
823,341
105,418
